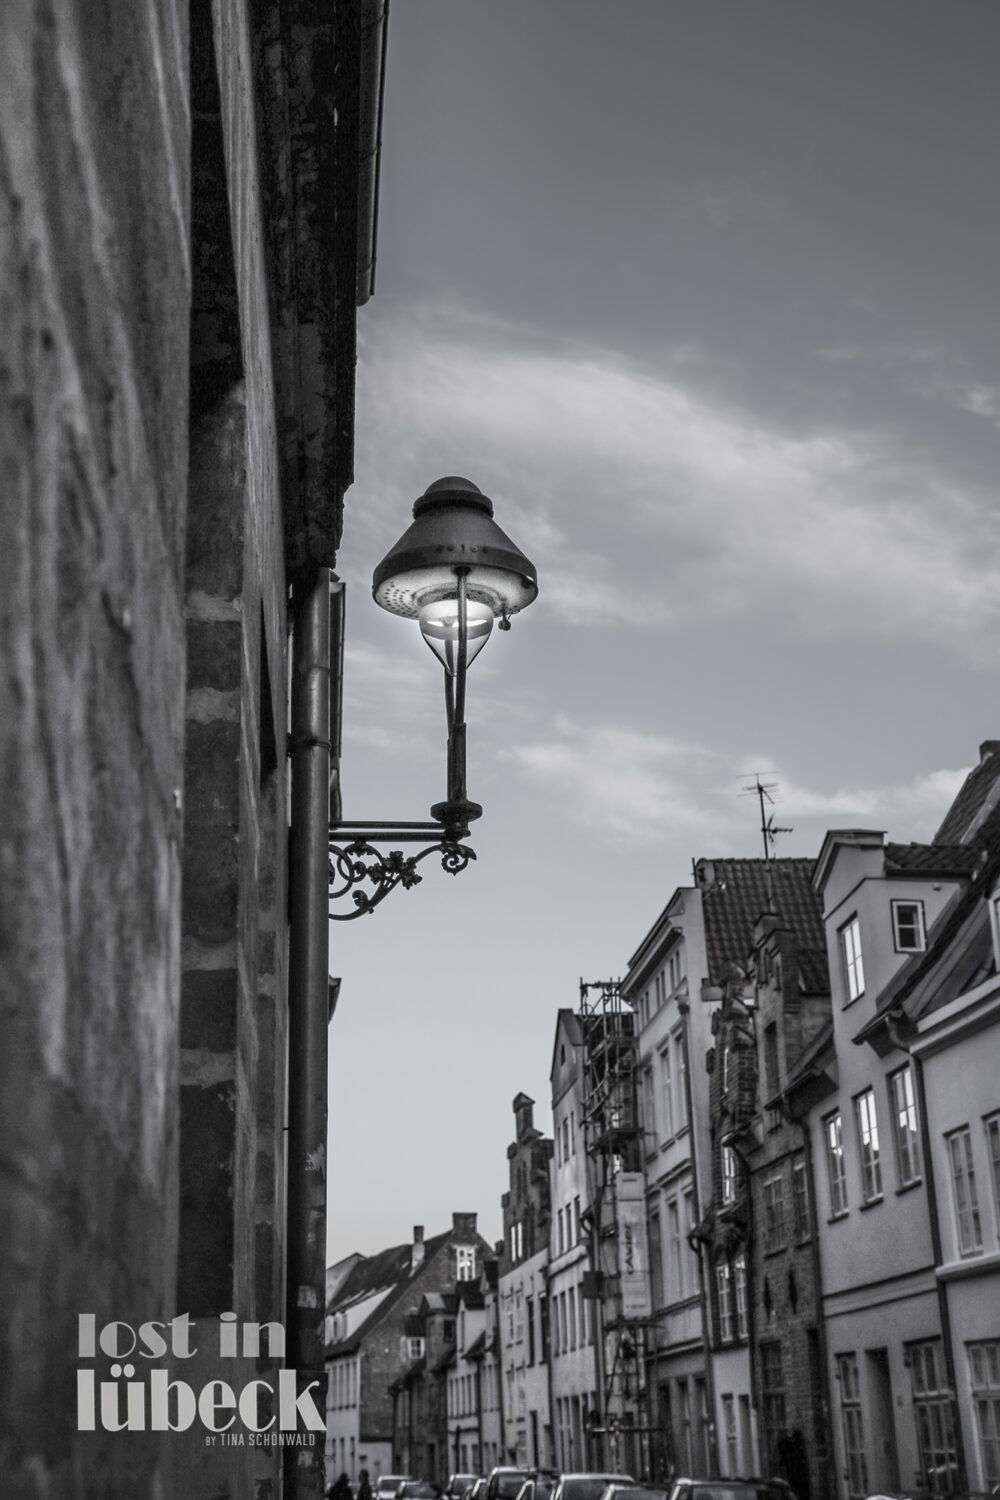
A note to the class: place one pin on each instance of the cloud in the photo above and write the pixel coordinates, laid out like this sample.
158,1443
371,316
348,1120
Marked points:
646,498
646,788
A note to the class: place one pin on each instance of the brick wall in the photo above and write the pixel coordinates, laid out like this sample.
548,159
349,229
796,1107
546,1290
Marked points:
94,285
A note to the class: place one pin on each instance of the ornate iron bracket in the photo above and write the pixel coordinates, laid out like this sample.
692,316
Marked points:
355,859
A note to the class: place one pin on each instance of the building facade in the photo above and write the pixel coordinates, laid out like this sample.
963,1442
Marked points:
167,239
376,1338
523,1291
889,1367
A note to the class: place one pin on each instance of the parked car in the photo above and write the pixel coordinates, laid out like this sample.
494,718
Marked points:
731,1489
458,1484
539,1487
418,1489
504,1483
619,1491
587,1486
387,1486
476,1491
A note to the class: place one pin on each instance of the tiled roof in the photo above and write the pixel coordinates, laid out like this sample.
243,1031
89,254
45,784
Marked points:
743,890
931,859
388,1272
977,794
373,1273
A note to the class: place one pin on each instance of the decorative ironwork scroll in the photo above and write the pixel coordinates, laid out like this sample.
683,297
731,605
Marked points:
356,861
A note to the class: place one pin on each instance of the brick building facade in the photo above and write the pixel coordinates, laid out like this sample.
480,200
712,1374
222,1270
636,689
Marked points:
187,212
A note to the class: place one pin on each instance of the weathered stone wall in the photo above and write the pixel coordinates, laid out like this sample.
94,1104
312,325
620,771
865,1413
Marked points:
94,293
234,991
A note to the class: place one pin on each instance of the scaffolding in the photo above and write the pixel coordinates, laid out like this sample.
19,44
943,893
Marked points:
620,1428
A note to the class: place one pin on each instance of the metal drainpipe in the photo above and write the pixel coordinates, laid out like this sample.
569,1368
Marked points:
944,1310
684,1006
308,1004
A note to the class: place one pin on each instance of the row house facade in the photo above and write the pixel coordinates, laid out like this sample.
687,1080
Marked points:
899,1226
785,1123
523,1288
700,1398
375,1331
764,1287
574,1329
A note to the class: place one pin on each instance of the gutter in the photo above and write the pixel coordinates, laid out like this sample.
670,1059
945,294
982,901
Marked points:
374,45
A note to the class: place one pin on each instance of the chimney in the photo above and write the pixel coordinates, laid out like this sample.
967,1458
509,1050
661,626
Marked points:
463,1226
417,1248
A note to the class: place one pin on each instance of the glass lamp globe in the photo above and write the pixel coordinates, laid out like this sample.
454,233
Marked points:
453,533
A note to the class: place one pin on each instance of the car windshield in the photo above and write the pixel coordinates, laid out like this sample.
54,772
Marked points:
637,1492
737,1492
507,1485
585,1486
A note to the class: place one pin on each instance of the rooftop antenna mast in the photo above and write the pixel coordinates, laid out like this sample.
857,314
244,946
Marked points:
768,829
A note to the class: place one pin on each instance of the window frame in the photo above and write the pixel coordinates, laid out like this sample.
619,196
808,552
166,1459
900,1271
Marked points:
852,958
835,1157
905,1145
967,1213
895,907
869,1150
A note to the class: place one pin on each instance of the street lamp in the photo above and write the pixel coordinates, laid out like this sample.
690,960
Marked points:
455,572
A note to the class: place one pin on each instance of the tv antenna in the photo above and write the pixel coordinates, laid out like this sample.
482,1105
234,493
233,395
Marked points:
769,830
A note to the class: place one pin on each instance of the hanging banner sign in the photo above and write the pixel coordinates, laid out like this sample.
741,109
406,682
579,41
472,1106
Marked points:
633,1247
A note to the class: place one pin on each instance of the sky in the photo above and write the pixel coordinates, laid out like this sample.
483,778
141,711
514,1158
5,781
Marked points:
702,293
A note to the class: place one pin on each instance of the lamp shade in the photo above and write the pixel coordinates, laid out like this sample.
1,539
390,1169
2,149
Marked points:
453,528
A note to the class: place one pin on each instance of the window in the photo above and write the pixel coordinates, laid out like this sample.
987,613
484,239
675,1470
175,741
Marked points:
680,1055
465,1262
740,1288
414,1348
656,1259
836,1177
729,1435
801,1228
529,1323
724,1289
908,933
668,1093
774,1213
728,1174
906,1139
984,1371
516,1241
871,1165
850,950
725,1067
993,1150
676,1289
963,1184
934,1416
771,1058
772,1393
852,1425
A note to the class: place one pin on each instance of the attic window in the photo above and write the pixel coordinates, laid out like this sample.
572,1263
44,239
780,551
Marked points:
908,933
465,1262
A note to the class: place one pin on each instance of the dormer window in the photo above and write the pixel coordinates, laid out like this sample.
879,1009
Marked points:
908,932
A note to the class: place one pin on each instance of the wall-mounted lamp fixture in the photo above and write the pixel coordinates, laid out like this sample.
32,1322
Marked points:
455,572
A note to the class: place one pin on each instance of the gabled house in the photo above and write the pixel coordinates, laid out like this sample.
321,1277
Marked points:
573,1319
523,1289
889,1365
371,1341
675,983
764,1291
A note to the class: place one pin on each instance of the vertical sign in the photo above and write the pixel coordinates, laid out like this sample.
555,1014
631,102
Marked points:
633,1251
